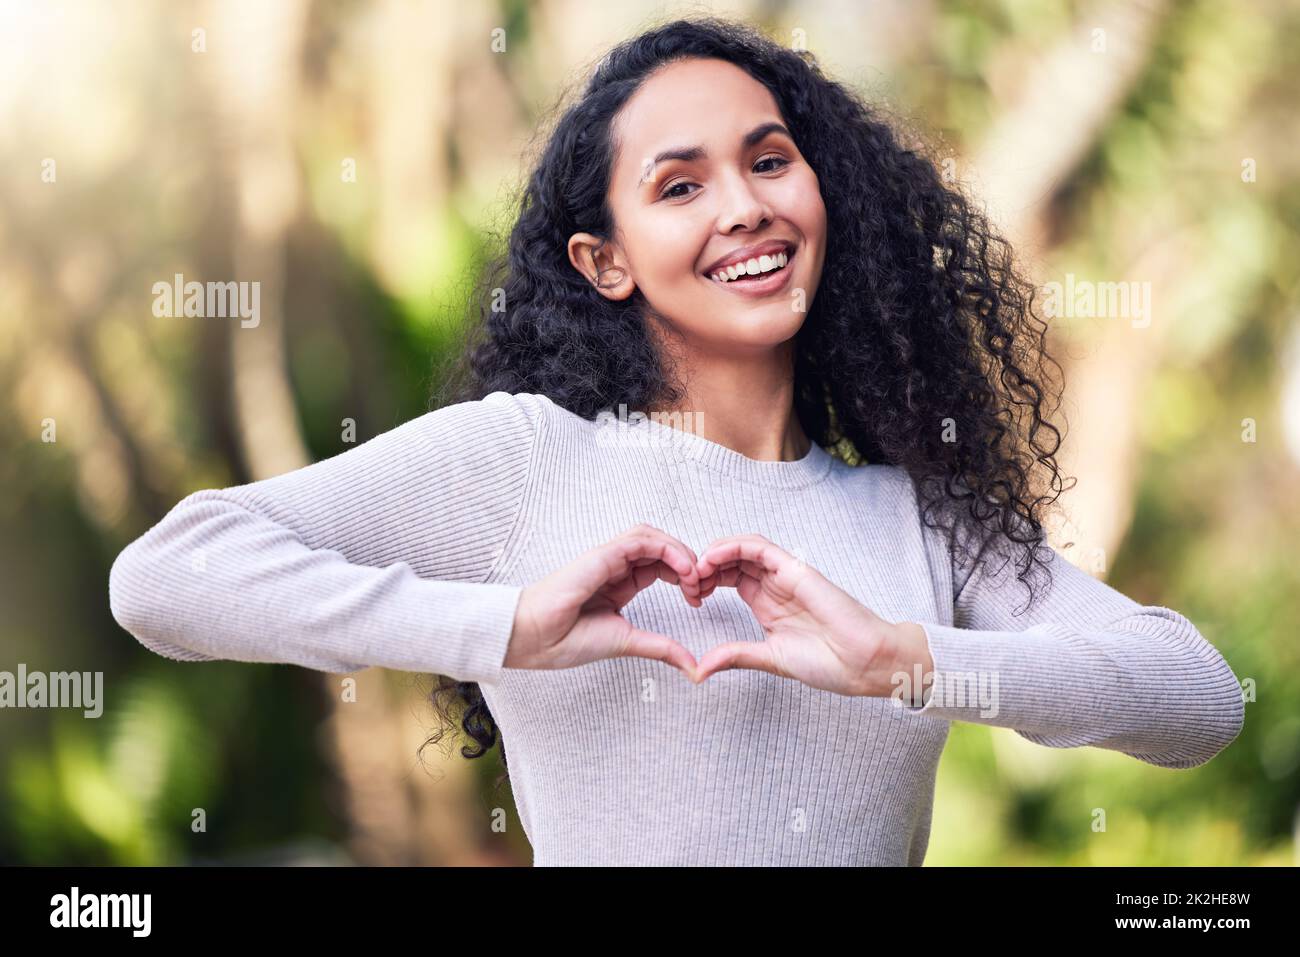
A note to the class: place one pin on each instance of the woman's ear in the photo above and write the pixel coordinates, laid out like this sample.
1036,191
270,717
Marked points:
602,263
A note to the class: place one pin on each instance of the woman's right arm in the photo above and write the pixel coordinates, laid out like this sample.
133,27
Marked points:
377,556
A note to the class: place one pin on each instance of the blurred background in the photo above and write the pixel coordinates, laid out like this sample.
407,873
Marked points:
357,160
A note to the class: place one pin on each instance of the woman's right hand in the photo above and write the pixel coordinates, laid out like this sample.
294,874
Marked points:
571,617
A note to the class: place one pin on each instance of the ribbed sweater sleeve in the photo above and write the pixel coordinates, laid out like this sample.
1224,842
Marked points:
1084,665
377,556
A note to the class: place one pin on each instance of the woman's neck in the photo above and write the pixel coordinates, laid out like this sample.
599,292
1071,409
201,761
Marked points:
748,407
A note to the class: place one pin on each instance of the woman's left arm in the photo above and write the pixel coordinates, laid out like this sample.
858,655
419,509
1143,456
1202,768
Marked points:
1084,665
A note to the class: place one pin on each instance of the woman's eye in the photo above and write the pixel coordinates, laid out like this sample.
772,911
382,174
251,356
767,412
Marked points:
669,194
774,159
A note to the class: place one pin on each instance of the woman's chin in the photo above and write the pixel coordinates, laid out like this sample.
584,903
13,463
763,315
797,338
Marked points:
758,325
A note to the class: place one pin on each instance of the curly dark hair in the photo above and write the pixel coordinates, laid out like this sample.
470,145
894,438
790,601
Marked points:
921,348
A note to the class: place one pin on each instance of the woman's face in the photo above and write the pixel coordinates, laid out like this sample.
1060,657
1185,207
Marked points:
705,170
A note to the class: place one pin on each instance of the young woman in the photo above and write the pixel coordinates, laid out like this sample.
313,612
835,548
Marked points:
711,637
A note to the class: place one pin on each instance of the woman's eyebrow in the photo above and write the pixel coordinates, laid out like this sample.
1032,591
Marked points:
689,154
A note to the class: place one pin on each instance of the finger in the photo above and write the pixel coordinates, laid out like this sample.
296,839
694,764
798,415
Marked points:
665,573
754,655
618,590
649,644
728,573
677,557
645,571
746,584
656,543
748,549
742,548
729,576
725,573
745,577
620,558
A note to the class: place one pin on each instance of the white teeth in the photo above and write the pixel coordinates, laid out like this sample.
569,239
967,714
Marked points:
751,267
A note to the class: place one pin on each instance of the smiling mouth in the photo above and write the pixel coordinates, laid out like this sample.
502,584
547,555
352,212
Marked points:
759,283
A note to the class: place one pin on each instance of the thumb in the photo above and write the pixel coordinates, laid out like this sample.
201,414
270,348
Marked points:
754,655
657,647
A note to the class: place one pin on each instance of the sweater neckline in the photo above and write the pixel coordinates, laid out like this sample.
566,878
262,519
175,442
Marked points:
680,445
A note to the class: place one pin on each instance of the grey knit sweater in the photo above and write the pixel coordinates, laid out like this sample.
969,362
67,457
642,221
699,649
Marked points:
410,552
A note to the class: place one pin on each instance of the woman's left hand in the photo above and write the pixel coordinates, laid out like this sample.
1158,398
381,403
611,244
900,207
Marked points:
816,632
